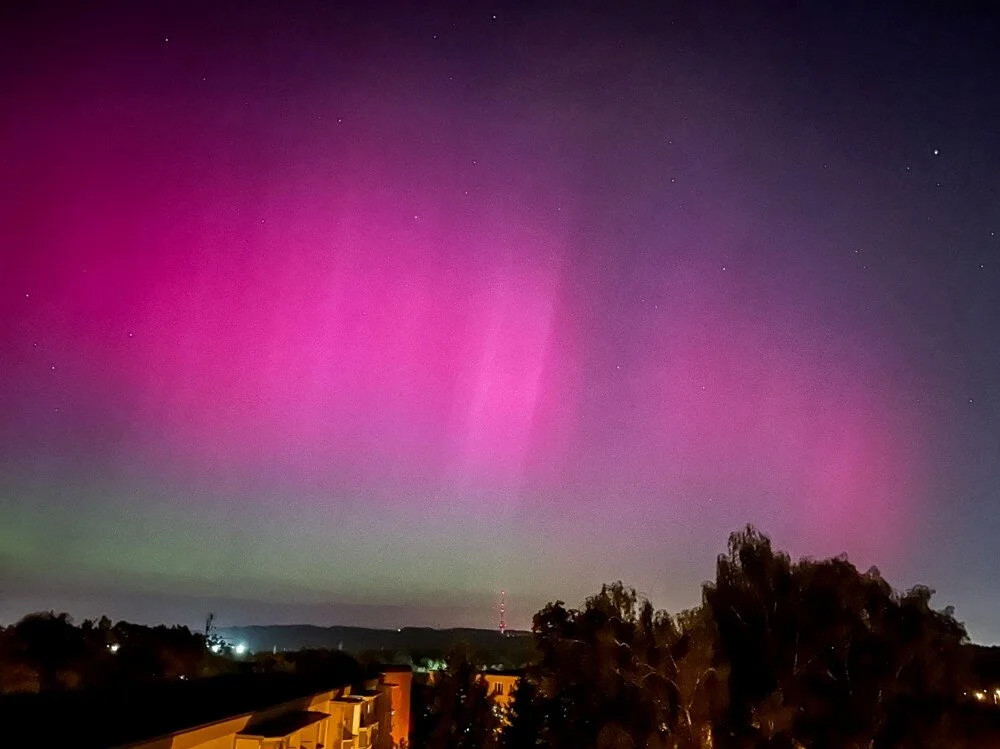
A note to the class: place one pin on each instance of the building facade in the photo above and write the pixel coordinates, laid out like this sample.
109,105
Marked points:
375,717
500,686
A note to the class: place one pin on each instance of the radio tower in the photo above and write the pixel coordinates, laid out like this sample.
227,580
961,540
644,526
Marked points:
503,613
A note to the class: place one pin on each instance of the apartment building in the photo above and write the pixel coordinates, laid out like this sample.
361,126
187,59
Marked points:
341,718
500,685
248,711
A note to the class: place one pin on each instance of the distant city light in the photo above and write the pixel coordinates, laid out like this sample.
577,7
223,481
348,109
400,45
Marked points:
216,647
113,647
240,649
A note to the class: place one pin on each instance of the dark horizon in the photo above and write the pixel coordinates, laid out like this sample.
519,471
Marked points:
191,611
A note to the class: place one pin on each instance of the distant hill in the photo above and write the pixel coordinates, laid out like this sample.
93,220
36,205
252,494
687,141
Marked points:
403,645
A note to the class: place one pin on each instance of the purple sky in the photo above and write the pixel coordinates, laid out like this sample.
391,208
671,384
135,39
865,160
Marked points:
360,315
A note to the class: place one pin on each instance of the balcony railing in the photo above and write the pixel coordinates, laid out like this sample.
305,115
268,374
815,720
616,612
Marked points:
366,736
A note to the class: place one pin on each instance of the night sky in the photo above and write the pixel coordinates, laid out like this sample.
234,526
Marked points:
312,312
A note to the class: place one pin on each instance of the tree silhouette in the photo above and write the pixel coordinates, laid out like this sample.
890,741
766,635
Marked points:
702,678
524,717
780,654
45,651
456,711
822,655
608,673
51,646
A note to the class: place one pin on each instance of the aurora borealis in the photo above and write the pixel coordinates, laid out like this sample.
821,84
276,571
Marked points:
359,314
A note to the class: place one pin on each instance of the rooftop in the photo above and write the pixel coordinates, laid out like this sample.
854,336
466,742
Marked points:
283,725
125,715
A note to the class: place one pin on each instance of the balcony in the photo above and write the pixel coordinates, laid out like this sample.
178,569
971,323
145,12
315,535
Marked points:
366,737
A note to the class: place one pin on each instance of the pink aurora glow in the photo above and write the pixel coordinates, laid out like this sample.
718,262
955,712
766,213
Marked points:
369,314
383,351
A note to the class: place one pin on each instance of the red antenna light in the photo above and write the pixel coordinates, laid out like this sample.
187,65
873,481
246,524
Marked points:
503,612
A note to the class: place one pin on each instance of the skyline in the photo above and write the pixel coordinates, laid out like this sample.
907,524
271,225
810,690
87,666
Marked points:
365,310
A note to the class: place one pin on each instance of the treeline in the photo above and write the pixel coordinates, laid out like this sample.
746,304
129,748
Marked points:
779,654
515,650
421,647
47,652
